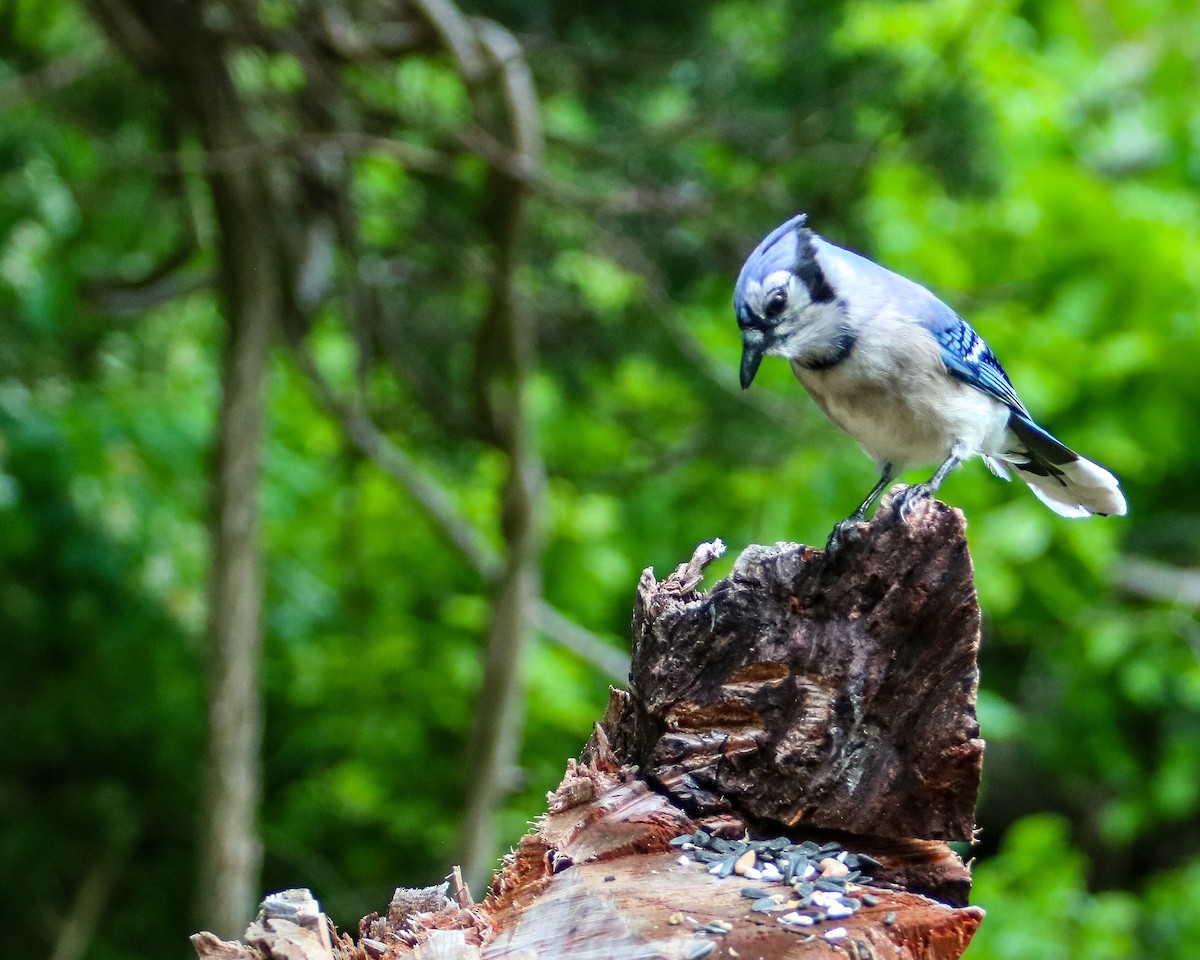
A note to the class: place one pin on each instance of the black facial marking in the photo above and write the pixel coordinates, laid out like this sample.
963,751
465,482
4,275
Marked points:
809,271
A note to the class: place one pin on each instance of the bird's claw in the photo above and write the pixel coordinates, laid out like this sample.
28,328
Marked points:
909,497
845,531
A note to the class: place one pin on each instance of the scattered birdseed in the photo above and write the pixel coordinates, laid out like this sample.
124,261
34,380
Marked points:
684,861
733,953
770,872
700,949
835,934
821,877
675,919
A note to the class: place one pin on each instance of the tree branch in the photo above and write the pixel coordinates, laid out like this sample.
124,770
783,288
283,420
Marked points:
1158,581
365,435
582,642
504,363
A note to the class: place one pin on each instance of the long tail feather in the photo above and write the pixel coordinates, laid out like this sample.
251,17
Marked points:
1059,477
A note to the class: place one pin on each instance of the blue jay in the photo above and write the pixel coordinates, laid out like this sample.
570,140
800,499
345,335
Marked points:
902,373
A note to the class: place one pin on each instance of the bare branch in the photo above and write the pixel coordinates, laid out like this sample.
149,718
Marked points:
46,80
662,309
582,642
520,94
79,926
458,35
504,363
371,441
1158,581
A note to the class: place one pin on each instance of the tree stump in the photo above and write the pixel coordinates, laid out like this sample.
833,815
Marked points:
808,720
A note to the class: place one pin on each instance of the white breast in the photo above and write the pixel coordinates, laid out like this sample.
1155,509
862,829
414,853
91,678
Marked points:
894,395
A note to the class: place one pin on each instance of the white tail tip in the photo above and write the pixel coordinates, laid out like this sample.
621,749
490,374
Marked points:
1084,489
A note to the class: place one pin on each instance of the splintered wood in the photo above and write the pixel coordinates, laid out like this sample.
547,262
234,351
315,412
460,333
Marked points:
796,745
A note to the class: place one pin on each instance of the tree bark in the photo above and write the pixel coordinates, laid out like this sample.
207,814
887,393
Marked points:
813,690
775,784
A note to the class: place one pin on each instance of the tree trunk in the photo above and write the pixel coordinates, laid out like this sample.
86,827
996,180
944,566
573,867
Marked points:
172,42
231,848
779,781
505,362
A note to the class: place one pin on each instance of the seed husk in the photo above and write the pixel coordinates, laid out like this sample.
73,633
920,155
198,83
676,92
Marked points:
833,868
745,862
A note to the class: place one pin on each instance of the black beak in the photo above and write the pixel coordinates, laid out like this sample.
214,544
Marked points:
754,345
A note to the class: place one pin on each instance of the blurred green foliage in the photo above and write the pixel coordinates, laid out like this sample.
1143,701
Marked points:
1036,163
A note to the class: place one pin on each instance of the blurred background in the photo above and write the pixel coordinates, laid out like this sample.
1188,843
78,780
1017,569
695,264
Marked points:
356,357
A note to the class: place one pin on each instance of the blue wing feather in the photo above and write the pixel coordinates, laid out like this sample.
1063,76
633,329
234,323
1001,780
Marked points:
971,360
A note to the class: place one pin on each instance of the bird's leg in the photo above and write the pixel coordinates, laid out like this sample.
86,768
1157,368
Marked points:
842,530
911,496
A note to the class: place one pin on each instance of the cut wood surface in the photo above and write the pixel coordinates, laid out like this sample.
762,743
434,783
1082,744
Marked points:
805,701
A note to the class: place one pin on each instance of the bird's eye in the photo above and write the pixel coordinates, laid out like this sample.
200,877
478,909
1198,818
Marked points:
775,304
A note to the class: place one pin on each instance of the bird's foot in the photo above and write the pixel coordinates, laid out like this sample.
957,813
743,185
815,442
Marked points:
845,531
906,500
